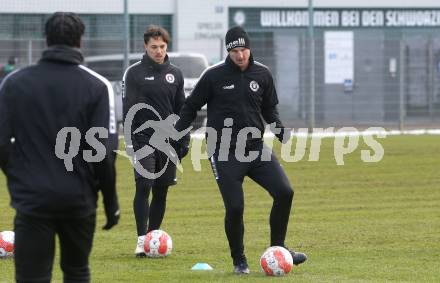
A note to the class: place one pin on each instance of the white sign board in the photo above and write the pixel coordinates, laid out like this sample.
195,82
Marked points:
338,51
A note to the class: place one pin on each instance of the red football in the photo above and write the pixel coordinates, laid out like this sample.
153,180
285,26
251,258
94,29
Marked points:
157,243
7,243
276,261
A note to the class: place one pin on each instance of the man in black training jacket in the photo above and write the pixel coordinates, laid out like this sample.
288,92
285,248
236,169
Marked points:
45,112
155,82
239,94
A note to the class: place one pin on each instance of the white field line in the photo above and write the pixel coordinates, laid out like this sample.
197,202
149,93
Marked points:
201,134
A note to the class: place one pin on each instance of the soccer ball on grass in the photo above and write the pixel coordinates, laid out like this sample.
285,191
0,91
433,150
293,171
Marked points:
157,243
6,244
276,261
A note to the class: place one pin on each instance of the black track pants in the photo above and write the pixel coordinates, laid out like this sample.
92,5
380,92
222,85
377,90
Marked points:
268,174
35,247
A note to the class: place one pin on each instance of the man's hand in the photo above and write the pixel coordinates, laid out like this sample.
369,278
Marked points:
284,135
112,213
183,151
181,146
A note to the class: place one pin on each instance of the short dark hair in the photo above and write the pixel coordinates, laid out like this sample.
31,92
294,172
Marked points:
156,31
64,28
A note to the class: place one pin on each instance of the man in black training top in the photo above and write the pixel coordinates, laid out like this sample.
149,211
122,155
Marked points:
155,82
239,94
51,195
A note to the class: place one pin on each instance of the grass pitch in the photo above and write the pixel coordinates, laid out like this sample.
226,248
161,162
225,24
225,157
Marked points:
360,222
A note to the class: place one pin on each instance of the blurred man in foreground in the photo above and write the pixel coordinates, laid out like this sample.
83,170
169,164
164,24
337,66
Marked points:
47,109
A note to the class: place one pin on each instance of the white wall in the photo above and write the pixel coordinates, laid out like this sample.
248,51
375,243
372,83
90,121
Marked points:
87,6
201,26
198,25
378,3
170,6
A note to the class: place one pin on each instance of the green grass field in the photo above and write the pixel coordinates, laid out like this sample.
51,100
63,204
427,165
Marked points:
361,222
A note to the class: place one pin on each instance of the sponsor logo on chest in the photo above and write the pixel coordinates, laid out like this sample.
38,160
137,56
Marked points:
253,85
169,78
232,86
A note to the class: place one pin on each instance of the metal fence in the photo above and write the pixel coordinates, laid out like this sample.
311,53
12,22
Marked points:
395,81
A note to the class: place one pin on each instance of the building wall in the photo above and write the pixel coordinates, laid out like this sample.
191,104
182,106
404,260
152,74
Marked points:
358,75
87,6
386,66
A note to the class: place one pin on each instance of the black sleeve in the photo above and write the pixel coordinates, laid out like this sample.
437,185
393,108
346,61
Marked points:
129,97
179,98
103,115
194,103
129,91
6,119
269,109
182,147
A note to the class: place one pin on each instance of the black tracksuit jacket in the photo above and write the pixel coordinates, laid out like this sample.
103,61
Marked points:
35,104
248,97
157,85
